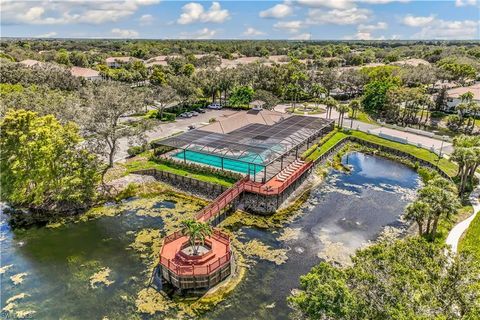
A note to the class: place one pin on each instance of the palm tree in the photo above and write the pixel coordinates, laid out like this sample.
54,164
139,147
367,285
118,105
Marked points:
330,103
418,211
440,195
466,154
355,106
197,232
342,109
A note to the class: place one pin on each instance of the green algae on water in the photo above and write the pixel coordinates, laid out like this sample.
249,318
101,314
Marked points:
101,277
259,249
5,268
18,278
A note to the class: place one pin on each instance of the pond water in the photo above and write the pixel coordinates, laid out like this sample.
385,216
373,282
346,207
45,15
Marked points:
57,265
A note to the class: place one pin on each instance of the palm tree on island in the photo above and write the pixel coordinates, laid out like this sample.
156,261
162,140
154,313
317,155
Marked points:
197,232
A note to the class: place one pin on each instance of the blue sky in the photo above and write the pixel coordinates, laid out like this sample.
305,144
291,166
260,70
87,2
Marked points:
289,19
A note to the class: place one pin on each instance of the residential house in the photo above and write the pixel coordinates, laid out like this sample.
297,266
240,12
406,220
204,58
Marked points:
117,62
86,73
453,95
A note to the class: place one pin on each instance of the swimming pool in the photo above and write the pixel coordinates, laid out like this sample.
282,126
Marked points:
216,161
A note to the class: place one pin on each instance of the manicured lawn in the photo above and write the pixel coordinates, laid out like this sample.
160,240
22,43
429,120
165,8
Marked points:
449,167
142,164
471,239
363,117
324,147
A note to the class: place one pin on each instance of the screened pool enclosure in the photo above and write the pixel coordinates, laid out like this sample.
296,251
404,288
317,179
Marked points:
258,150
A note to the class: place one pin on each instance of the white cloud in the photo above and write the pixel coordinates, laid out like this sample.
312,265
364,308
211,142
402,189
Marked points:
455,30
413,21
47,35
290,26
252,32
462,3
301,36
194,12
363,35
46,12
372,27
277,11
341,17
332,4
341,4
146,19
204,33
124,33
381,1
364,32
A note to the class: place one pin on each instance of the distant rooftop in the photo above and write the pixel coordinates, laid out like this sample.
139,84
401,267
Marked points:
84,72
457,92
30,62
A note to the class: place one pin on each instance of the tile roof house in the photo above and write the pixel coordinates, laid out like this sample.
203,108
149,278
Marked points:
86,73
116,62
453,95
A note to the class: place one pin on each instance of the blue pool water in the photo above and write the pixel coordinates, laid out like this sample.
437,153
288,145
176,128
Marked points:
216,161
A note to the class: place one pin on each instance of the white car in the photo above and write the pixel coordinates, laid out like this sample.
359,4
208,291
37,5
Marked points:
215,105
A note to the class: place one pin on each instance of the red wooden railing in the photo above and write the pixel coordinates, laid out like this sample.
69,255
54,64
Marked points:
222,200
251,186
215,208
185,270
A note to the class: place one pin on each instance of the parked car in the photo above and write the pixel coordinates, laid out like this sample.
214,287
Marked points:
191,127
189,114
216,106
201,110
194,113
182,115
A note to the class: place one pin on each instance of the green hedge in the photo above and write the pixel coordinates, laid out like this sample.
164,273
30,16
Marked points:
314,147
199,169
168,116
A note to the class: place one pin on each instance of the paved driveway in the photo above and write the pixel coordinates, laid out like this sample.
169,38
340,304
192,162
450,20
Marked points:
163,130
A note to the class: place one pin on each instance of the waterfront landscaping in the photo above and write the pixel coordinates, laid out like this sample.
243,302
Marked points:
259,213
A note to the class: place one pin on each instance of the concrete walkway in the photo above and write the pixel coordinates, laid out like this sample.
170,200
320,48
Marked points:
415,139
457,231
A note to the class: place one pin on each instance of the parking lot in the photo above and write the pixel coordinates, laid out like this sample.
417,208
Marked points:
163,130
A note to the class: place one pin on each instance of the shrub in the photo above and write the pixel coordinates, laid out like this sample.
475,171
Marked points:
198,169
152,114
240,107
168,116
212,120
158,151
136,150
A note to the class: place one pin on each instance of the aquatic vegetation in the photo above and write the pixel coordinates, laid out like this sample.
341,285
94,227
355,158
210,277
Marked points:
5,268
259,249
241,218
148,243
25,314
335,252
289,234
101,277
9,307
150,301
17,297
18,278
